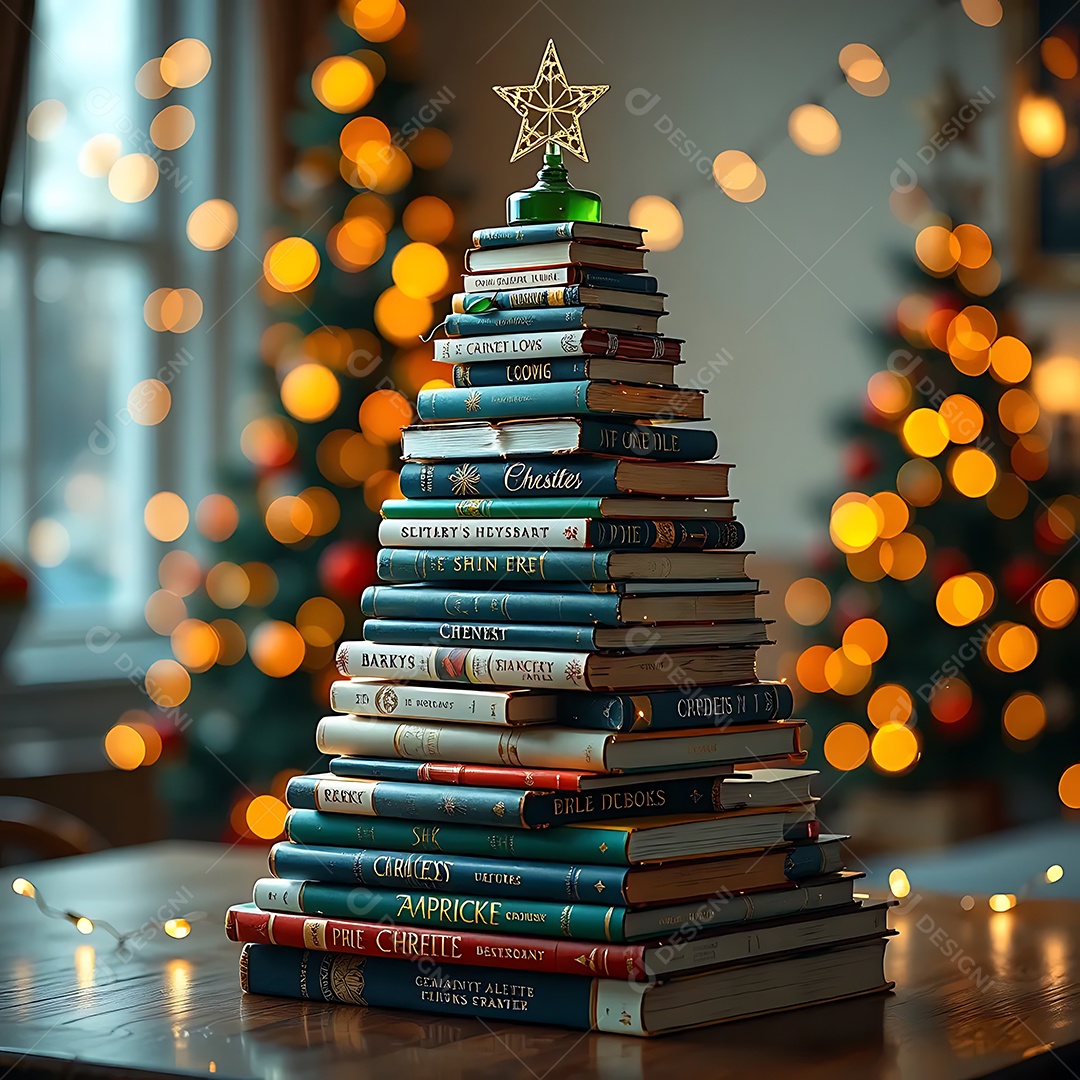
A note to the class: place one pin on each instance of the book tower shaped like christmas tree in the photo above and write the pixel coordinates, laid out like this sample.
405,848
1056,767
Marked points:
557,792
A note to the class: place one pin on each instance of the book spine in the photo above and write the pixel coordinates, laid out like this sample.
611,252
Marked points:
570,533
388,602
658,442
465,991
528,279
512,235
413,802
487,402
442,772
524,371
523,320
451,874
525,346
508,299
443,564
592,922
578,958
520,533
492,508
524,478
813,860
553,749
673,709
596,844
512,635
418,703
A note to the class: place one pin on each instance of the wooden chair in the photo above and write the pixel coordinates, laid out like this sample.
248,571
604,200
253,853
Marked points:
34,830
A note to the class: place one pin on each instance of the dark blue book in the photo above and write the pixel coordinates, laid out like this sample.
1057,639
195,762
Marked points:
474,303
520,320
565,636
620,1006
662,794
577,476
568,605
661,710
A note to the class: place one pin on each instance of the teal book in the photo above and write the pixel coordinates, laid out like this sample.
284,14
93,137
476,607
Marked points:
557,475
561,399
588,922
582,506
662,710
533,320
531,372
447,564
566,605
606,844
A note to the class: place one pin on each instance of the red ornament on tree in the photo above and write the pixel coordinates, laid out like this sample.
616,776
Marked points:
347,567
946,563
860,461
1020,577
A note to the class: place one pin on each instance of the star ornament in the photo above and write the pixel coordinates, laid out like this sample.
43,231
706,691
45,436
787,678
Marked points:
551,108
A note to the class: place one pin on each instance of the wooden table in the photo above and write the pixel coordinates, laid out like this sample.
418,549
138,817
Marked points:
976,992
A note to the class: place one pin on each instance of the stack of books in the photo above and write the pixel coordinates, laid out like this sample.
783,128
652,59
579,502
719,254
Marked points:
557,792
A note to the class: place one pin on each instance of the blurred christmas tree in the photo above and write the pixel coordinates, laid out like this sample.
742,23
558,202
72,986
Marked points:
944,608
351,275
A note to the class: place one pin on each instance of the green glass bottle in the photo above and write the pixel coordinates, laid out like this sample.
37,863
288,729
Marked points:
552,197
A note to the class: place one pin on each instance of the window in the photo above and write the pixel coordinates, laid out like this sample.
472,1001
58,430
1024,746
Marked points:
77,265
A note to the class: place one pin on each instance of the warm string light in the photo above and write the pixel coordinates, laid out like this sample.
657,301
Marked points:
900,887
178,927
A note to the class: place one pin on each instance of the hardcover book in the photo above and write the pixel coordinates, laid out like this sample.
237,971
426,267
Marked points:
544,747
443,564
551,670
571,506
557,296
556,399
557,343
562,532
693,706
613,1005
617,886
428,602
566,636
638,794
624,843
540,477
554,253
524,320
381,697
548,232
638,963
548,371
589,276
545,918
557,435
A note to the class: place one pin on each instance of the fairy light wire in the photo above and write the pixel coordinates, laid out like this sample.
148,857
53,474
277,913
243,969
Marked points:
178,928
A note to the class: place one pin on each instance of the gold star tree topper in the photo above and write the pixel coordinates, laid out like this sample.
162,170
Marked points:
551,108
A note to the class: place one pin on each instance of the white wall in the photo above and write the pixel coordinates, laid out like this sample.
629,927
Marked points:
728,74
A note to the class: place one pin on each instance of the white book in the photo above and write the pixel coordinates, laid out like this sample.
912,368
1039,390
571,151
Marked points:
549,343
378,697
546,747
548,669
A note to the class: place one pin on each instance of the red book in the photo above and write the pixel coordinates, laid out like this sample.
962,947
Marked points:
245,922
